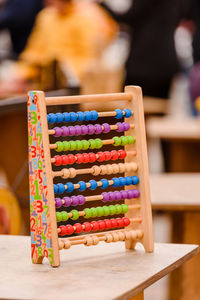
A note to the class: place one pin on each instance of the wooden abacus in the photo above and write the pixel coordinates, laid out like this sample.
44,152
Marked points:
136,226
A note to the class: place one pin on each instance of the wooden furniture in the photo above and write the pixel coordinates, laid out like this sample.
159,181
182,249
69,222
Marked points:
137,224
178,195
180,140
101,272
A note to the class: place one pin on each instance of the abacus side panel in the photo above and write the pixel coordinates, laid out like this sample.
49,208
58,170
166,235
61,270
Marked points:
44,238
143,172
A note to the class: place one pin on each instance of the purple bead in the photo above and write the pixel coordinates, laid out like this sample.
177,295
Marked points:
111,196
58,131
120,127
58,202
126,126
98,128
106,127
77,130
65,131
67,201
105,197
75,200
84,129
91,129
136,193
81,199
130,194
72,130
124,194
117,195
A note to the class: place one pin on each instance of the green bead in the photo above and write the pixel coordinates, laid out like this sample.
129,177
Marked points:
64,215
78,145
98,143
117,141
75,214
60,146
118,209
131,139
106,210
100,211
85,144
124,140
58,216
94,212
124,208
66,146
72,145
112,209
88,213
92,143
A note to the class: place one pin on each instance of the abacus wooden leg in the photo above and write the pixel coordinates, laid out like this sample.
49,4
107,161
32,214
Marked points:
140,296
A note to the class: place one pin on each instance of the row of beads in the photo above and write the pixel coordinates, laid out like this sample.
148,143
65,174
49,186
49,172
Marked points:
97,170
84,116
100,211
89,129
89,157
91,143
104,197
93,184
113,236
93,226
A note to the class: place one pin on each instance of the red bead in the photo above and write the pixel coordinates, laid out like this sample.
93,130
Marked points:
95,225
70,229
88,226
122,154
58,161
79,228
63,230
114,155
92,157
126,221
108,223
102,224
120,222
65,160
85,158
101,156
79,158
107,155
113,223
71,159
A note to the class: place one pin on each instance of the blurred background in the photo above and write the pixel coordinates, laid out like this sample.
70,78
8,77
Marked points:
70,47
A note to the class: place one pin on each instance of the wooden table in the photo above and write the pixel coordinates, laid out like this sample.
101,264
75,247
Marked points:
101,272
179,196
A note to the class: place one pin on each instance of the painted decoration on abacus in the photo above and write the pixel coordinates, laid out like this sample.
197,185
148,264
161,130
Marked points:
41,241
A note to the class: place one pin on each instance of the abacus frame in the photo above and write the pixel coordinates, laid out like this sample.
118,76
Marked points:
42,201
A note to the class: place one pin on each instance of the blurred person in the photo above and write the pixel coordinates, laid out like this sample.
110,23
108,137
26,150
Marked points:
18,17
152,61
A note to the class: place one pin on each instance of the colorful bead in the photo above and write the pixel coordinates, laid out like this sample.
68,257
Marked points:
136,194
93,212
113,223
52,118
77,130
58,202
83,186
71,159
58,217
87,226
64,215
58,131
124,140
72,130
81,199
78,145
106,127
61,188
99,143
107,155
106,210
119,113
135,180
75,214
118,208
101,224
117,141
95,225
105,197
85,144
107,224
88,213
91,129
131,139
79,228
112,209
105,183
81,116
128,113
92,157
98,129
114,155
66,117
63,229
94,115
70,187
124,208
84,129
59,146
73,116
120,127
93,184
59,117
72,145
58,161
116,181
85,158
100,211
88,115
126,221
74,201
70,229
126,126
122,154
67,201
128,180
79,158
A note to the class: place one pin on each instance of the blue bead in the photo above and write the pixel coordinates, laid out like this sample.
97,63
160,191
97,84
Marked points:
61,188
128,113
66,116
70,187
73,116
94,184
48,118
88,115
122,181
60,117
81,116
55,188
83,186
94,115
105,183
128,180
116,181
52,118
135,179
119,113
